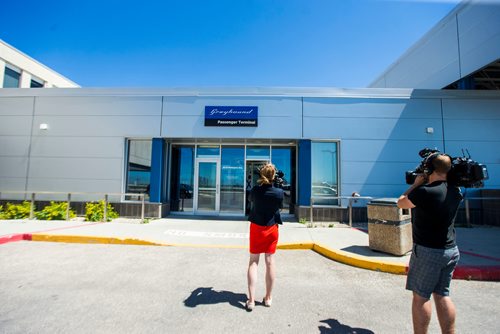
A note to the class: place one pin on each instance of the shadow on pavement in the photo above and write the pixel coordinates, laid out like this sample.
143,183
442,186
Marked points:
366,251
335,327
207,296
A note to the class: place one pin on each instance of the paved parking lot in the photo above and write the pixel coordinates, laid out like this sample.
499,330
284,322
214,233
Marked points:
82,288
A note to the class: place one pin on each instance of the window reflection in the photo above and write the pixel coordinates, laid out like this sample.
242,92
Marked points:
258,153
11,78
232,179
282,158
207,151
138,167
324,159
182,181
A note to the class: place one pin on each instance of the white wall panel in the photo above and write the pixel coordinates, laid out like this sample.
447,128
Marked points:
16,106
193,127
380,108
83,147
99,106
14,146
374,172
370,128
75,185
471,109
76,168
475,130
432,63
15,125
465,41
98,126
379,119
277,118
386,150
479,33
268,106
12,184
13,167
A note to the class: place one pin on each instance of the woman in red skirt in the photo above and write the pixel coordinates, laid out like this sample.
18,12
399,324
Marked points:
266,202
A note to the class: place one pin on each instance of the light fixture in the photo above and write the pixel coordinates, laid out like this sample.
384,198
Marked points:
44,126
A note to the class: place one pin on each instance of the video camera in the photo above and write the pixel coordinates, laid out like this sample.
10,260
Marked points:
464,171
279,179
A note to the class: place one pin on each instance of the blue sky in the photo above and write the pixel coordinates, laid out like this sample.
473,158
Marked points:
196,43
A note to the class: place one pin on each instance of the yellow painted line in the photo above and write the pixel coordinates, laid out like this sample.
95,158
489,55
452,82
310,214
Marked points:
300,245
117,241
91,240
336,255
360,261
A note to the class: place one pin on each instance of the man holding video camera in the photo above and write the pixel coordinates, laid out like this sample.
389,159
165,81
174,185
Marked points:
435,253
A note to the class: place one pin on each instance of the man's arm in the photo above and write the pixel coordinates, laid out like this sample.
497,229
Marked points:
403,201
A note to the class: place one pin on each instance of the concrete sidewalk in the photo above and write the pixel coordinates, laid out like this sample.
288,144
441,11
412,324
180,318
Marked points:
479,246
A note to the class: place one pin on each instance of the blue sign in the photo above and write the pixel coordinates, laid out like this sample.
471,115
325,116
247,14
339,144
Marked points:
231,116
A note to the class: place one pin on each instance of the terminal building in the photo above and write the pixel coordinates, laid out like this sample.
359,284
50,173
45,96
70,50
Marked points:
196,151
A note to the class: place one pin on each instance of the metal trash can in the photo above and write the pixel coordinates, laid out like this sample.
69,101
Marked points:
389,227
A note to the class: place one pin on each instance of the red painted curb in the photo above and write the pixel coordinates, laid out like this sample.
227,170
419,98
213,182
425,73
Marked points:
15,237
477,273
27,236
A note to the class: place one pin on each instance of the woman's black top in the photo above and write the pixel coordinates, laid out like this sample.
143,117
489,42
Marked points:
266,202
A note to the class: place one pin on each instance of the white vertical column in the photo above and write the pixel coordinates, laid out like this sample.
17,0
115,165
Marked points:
25,80
2,72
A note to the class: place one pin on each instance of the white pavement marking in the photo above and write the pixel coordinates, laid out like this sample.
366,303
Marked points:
200,234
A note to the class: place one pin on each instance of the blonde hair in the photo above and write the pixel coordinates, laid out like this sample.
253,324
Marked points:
267,173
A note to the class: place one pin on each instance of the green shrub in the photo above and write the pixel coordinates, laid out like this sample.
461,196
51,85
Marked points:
16,211
94,212
303,221
55,211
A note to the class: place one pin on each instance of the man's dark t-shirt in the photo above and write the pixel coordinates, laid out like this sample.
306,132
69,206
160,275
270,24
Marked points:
266,204
434,215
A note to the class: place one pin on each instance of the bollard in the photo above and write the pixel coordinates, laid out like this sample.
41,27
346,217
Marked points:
352,200
350,212
105,215
311,213
67,208
32,208
142,209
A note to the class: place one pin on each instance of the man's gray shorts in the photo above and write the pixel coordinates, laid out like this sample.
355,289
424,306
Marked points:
430,270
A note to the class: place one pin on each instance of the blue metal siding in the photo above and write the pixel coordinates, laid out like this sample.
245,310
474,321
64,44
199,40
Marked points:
304,167
157,170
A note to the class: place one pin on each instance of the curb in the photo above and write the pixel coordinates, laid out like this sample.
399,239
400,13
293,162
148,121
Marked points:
360,261
479,273
92,240
15,237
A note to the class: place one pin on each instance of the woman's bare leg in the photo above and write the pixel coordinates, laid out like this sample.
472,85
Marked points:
252,276
270,275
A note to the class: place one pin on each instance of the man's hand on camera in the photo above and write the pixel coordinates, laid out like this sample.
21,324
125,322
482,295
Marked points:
420,179
403,201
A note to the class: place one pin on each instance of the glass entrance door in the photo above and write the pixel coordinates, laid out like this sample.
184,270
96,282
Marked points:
207,186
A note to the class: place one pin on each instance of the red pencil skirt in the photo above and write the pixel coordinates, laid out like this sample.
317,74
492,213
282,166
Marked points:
263,239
